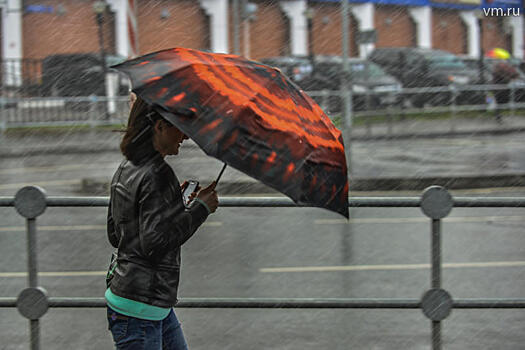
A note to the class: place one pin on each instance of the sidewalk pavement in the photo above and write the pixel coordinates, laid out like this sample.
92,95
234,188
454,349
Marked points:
407,155
425,128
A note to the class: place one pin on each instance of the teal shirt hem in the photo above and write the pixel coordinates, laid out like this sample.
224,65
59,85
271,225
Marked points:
134,308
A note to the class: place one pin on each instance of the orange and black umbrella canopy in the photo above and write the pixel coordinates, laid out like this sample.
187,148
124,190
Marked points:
250,116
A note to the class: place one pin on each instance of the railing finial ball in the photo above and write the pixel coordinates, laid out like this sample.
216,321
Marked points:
436,202
30,201
32,303
436,304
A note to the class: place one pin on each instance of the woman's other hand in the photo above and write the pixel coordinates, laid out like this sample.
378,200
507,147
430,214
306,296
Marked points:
209,196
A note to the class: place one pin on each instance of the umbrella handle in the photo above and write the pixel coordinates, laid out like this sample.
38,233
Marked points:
220,174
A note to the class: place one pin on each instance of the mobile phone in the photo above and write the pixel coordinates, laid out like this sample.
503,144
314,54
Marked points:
192,186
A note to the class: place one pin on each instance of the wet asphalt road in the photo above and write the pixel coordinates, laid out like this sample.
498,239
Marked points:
61,174
240,252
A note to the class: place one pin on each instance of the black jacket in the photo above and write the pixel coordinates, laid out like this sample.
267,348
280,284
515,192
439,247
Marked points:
148,223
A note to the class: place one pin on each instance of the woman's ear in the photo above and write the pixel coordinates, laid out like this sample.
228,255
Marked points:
158,125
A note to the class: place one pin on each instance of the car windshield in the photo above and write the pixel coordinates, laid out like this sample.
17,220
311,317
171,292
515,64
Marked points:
359,70
445,61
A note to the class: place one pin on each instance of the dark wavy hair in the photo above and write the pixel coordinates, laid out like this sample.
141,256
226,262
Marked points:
137,142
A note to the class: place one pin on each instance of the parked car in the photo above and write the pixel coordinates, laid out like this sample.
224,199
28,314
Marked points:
297,68
419,67
473,63
77,75
372,87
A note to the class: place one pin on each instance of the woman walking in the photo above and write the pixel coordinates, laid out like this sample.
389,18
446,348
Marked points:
148,222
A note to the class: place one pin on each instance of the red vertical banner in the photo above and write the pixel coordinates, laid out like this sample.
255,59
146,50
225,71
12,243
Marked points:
133,39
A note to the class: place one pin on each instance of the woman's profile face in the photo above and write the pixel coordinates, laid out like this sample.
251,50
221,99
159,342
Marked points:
167,138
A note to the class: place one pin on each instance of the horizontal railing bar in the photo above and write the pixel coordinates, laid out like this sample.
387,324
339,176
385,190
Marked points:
312,93
252,303
77,302
435,109
293,303
489,304
286,202
77,123
41,99
64,201
420,90
231,202
78,201
7,201
487,202
303,303
7,302
384,202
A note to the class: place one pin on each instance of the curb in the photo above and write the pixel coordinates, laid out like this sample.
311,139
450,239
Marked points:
101,187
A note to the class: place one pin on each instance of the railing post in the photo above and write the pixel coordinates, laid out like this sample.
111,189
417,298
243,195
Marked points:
32,302
436,303
93,101
324,100
3,119
367,100
390,126
512,99
453,109
402,104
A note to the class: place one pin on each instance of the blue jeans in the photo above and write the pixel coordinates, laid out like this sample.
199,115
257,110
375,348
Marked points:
130,333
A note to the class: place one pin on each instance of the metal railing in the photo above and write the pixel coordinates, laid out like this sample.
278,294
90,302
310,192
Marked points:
441,99
436,303
451,100
55,111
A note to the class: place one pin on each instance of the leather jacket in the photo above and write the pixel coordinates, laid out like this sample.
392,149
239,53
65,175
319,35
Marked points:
148,223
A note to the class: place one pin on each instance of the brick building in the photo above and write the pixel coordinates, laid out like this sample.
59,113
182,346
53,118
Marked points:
38,28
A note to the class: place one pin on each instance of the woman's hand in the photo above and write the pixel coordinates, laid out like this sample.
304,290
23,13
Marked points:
209,196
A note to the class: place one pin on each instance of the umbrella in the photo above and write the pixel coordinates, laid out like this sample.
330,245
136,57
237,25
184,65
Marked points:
499,53
251,117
